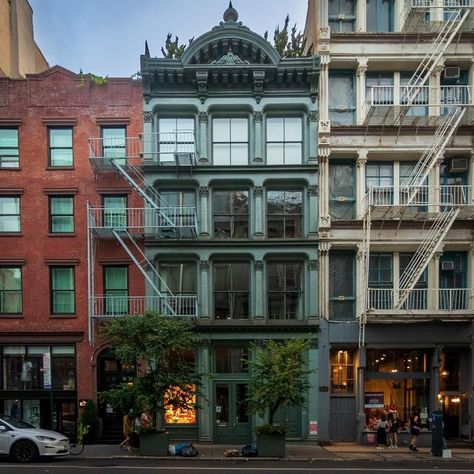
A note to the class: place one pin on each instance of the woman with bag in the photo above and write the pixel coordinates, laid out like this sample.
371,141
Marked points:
382,425
415,428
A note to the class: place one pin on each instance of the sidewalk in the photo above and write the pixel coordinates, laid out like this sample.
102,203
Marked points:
294,452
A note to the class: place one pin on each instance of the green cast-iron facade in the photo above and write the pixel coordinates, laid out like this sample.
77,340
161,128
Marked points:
234,130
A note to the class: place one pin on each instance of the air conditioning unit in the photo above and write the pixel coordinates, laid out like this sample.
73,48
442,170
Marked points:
458,165
452,72
447,265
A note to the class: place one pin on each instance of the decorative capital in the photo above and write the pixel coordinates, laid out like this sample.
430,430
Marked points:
204,191
360,162
203,117
258,78
148,117
312,116
259,265
312,190
258,117
313,265
258,191
360,251
204,264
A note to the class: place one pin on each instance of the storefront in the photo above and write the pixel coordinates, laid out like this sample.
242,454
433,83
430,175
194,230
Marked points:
38,384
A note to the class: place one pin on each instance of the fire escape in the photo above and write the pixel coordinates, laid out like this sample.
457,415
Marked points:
437,206
156,219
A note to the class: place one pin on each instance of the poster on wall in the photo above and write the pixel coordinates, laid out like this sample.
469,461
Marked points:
47,371
313,428
373,400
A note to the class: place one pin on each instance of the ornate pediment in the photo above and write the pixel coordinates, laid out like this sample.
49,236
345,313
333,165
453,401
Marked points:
230,58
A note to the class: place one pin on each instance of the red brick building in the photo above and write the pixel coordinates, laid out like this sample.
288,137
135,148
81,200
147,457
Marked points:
46,181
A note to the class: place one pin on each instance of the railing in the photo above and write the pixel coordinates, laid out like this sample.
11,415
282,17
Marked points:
178,146
444,196
116,148
427,5
142,220
419,299
113,306
425,97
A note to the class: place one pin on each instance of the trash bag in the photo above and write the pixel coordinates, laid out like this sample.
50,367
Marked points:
231,453
249,450
189,451
172,450
179,447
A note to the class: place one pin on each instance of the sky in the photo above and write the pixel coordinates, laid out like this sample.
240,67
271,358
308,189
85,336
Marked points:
106,37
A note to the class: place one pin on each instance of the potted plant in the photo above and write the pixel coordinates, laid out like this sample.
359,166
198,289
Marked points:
162,348
278,377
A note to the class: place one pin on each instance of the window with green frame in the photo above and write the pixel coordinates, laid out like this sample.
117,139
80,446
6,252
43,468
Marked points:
63,298
284,140
60,147
381,279
284,290
10,219
11,290
61,214
114,144
115,211
230,141
116,289
9,156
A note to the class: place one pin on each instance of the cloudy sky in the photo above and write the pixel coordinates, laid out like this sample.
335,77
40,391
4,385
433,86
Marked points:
106,37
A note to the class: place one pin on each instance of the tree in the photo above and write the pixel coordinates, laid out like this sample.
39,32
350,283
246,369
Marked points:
172,49
278,376
163,350
289,45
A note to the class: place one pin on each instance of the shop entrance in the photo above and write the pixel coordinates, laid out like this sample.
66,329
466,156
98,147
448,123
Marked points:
456,416
231,420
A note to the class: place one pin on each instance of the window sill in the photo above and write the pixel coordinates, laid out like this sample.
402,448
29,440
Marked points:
64,168
11,234
6,168
63,316
61,234
11,316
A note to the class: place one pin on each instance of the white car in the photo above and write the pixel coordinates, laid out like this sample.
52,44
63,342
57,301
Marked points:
24,443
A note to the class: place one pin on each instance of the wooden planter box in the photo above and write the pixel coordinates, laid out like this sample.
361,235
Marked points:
154,443
271,445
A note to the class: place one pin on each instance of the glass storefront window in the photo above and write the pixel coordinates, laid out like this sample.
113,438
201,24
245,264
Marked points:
342,371
395,361
176,415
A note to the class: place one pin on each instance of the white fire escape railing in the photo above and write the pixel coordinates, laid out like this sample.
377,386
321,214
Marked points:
175,147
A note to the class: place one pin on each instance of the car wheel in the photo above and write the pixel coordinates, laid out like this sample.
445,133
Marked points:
24,451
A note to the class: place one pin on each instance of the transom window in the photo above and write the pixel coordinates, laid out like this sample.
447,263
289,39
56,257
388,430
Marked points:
231,290
62,290
114,143
10,290
115,211
116,289
231,360
176,136
9,157
61,214
284,140
284,290
284,214
231,214
230,141
60,147
10,214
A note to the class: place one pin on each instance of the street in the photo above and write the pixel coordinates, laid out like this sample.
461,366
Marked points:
188,466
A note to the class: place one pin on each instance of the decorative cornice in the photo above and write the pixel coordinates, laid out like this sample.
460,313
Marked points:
201,78
258,80
230,58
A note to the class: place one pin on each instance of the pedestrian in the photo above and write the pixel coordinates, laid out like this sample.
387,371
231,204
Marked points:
393,427
145,419
382,425
127,428
415,428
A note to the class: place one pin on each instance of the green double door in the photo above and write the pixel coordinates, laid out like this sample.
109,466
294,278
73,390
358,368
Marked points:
231,420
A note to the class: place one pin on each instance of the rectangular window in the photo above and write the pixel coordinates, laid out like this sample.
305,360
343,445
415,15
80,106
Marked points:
115,211
342,286
63,299
341,16
284,140
342,371
231,290
179,279
10,290
380,15
418,297
380,281
379,88
284,214
284,290
421,197
9,156
61,214
63,367
231,360
176,140
60,147
116,290
10,214
114,144
230,141
342,197
342,100
421,100
380,175
231,214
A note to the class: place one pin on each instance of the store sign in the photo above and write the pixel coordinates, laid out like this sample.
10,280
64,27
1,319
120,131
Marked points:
373,400
47,370
313,428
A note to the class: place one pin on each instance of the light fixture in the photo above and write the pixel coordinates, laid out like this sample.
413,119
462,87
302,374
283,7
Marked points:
82,403
443,373
456,400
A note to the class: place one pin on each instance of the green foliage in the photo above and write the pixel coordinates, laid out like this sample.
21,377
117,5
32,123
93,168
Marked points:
289,45
95,79
82,432
160,346
89,415
278,376
271,430
172,49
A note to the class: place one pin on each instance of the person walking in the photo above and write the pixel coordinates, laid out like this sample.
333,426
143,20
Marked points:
127,428
382,425
415,428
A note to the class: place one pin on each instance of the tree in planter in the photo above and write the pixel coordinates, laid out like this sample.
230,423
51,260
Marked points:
278,377
161,347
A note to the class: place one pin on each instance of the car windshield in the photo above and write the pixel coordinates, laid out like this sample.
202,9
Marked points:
16,422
